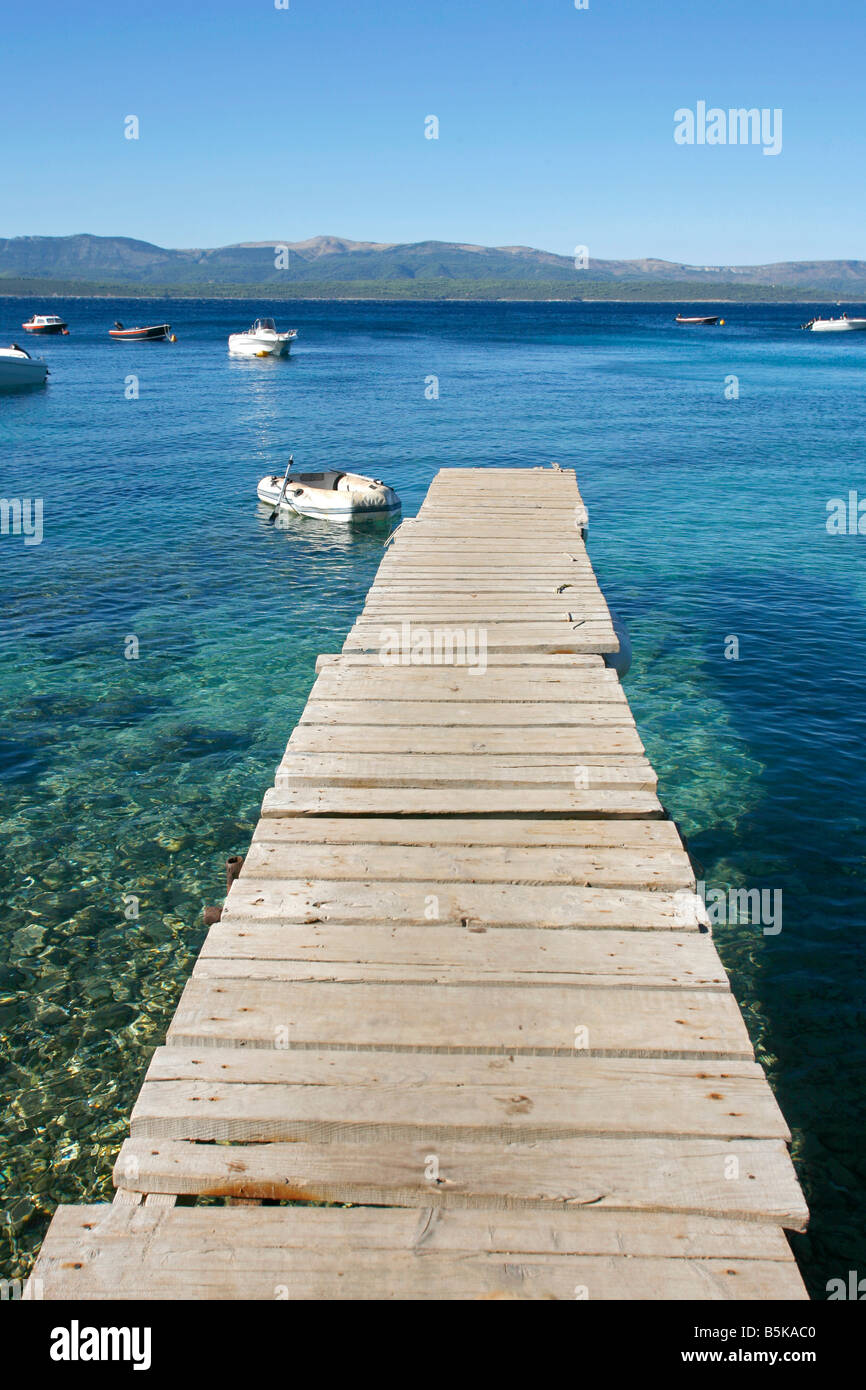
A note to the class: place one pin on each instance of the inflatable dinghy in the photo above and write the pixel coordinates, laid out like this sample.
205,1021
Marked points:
330,496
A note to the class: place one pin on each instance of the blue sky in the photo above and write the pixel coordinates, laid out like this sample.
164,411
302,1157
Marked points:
556,125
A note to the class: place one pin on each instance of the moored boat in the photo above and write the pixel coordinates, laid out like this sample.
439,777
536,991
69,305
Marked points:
18,368
330,495
840,325
708,319
45,324
262,340
155,333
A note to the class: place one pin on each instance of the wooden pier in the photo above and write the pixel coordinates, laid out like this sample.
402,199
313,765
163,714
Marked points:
463,983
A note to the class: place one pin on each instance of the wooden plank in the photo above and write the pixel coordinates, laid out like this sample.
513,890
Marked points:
100,1252
564,544
561,564
436,606
461,1018
440,502
198,1112
565,621
605,740
544,637
455,903
612,868
551,660
485,620
468,713
494,543
469,1096
266,1096
634,1235
518,573
408,682
464,770
448,955
515,598
562,513
517,578
630,1174
457,801
542,552
457,585
641,836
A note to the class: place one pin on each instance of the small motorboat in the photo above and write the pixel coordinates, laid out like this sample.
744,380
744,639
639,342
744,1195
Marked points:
18,368
262,340
708,319
45,324
840,325
330,496
156,333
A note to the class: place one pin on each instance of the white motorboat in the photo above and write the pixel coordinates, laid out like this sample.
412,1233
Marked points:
46,324
840,325
330,496
262,340
18,368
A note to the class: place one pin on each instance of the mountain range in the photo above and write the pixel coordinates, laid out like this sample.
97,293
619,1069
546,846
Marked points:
333,267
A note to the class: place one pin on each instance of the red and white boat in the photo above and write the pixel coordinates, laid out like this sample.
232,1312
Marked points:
45,324
156,333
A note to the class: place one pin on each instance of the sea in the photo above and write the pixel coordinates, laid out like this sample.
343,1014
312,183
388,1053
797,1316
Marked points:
158,642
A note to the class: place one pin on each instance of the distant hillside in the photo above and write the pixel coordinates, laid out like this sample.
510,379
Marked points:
331,266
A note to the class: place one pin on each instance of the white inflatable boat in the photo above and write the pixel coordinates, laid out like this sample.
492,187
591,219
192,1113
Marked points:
330,496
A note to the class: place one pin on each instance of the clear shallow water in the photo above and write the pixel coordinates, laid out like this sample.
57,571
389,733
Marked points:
139,776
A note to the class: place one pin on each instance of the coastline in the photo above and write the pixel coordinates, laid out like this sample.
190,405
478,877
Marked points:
425,299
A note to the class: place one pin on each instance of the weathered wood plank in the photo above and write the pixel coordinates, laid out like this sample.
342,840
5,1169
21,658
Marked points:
416,610
455,683
555,770
631,1234
461,1018
642,836
458,955
454,903
610,868
543,637
604,740
630,1174
547,660
358,1254
265,1094
458,801
469,713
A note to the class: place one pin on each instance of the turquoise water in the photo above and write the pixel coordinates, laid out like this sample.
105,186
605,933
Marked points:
137,777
